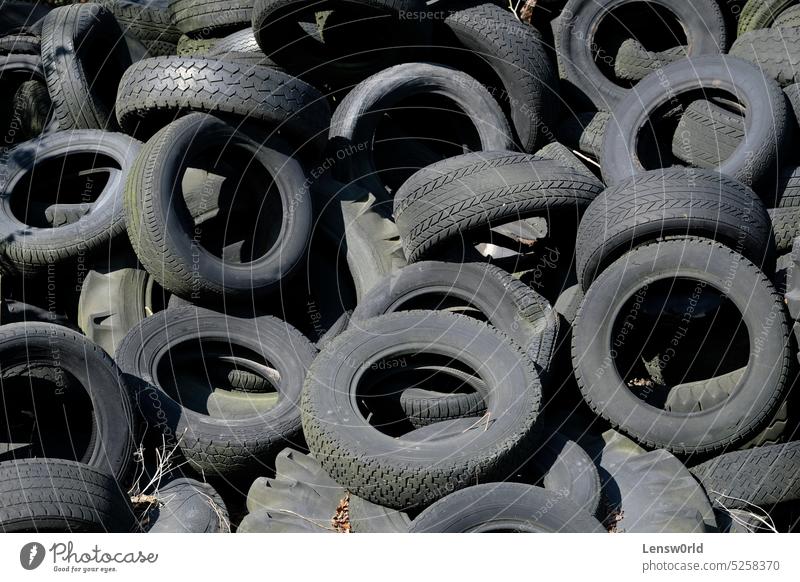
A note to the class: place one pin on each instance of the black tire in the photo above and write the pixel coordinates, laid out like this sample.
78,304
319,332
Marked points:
506,303
520,59
20,44
112,302
62,232
289,33
789,18
576,42
158,48
242,41
505,507
585,132
486,189
83,91
31,102
675,202
767,128
154,91
634,62
146,23
764,476
58,496
707,134
194,47
383,469
77,373
774,50
763,386
563,155
187,506
785,227
209,17
163,232
758,14
355,121
217,446
366,517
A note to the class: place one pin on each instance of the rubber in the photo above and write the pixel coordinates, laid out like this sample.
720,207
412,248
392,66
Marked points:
356,119
34,348
575,31
758,14
503,507
32,103
707,134
763,387
146,23
767,128
71,37
789,18
483,189
764,476
154,91
411,473
188,506
674,202
519,57
585,132
634,62
208,17
773,50
218,446
161,230
57,496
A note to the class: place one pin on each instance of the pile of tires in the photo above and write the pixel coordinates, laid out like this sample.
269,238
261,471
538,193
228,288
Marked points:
399,266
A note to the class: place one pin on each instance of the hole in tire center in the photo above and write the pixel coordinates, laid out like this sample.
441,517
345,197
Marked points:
193,371
675,333
655,27
419,131
656,141
234,205
382,397
45,413
71,179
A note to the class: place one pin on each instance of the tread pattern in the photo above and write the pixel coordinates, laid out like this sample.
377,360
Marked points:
210,16
707,134
775,50
634,62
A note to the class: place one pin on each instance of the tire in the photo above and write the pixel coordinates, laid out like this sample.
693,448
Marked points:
355,122
65,231
758,14
330,420
188,506
773,50
518,56
83,375
789,18
217,446
58,496
146,23
506,303
194,47
785,227
764,476
83,92
760,392
575,37
585,132
634,62
289,33
32,103
111,303
366,517
504,507
158,48
485,189
20,44
194,17
155,91
564,156
707,134
674,202
161,229
242,41
651,492
767,129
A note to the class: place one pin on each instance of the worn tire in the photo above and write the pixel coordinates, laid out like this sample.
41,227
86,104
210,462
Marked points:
400,473
761,390
188,506
774,50
585,132
707,134
57,496
210,16
471,192
674,202
758,14
634,62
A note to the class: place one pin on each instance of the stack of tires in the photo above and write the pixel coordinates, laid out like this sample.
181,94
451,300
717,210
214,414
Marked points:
392,265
